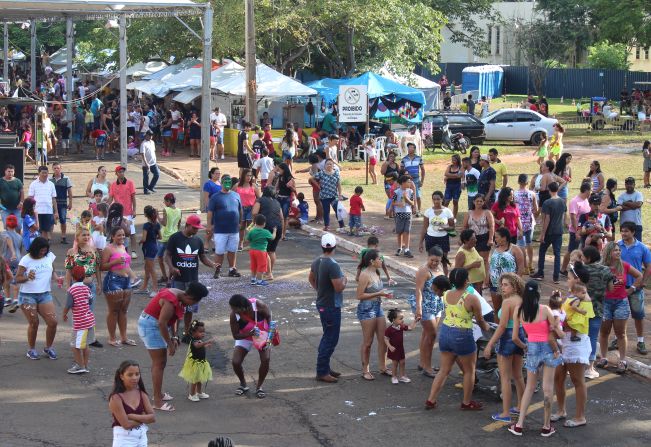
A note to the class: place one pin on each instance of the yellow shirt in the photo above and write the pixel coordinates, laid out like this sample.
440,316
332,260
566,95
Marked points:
477,274
456,315
576,320
500,171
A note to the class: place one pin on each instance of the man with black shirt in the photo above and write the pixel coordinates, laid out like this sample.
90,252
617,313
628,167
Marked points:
553,223
486,182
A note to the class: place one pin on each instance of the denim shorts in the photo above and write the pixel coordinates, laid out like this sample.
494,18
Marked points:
616,309
115,283
456,340
526,238
432,307
636,301
573,243
63,213
505,346
247,214
369,309
562,193
192,308
34,298
161,246
540,353
149,332
226,242
150,250
452,191
355,221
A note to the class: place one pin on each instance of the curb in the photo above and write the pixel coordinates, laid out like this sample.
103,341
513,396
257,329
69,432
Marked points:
171,173
638,367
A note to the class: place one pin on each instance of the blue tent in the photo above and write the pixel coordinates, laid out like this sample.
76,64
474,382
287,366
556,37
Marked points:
485,78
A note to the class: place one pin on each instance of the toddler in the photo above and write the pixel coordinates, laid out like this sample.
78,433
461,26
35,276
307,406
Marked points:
393,337
99,227
259,238
402,203
371,153
196,368
303,208
543,149
355,213
83,320
556,305
578,308
390,186
30,222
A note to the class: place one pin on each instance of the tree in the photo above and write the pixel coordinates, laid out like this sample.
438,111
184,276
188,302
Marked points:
622,22
608,56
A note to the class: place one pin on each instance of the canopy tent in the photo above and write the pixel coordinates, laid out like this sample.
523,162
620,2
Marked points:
166,72
142,69
15,56
430,89
485,78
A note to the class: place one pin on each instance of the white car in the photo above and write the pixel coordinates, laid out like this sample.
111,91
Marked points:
517,124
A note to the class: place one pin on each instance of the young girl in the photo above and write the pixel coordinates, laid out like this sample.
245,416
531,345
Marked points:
556,305
26,141
99,227
30,222
393,338
98,197
542,150
85,222
149,241
130,407
579,311
371,153
196,368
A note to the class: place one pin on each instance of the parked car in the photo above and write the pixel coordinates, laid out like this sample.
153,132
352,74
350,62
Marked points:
518,124
470,126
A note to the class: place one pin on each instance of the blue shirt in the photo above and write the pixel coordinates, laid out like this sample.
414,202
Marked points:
211,188
225,209
303,208
412,166
637,255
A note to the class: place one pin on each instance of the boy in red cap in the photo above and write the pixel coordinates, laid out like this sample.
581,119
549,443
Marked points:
83,320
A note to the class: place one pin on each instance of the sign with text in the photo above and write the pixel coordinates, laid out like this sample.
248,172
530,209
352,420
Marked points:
353,104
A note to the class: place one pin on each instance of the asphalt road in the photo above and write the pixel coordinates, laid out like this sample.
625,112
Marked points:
43,406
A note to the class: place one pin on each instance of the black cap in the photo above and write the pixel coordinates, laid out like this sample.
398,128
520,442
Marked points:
595,199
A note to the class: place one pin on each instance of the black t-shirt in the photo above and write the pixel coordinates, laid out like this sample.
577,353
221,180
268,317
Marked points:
258,145
185,252
556,209
485,178
270,208
325,269
241,138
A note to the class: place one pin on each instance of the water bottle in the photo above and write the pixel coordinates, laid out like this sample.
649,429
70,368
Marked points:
256,331
272,331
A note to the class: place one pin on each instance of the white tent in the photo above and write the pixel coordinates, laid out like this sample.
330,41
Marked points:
430,88
142,69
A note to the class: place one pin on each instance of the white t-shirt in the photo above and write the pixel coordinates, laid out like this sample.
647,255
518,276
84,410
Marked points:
43,269
265,165
145,124
42,194
133,120
176,115
332,152
148,151
220,118
438,221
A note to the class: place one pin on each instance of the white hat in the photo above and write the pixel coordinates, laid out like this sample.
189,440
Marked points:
328,240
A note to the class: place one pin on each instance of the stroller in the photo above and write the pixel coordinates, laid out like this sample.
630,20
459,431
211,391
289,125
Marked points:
487,374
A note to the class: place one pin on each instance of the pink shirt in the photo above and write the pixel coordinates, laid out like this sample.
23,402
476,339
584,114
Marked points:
578,206
122,194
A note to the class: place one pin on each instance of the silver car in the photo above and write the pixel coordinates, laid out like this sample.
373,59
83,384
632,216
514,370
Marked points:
518,125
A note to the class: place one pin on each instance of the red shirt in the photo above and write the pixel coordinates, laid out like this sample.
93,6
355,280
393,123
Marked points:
122,194
153,308
356,205
511,214
82,316
619,291
97,133
268,140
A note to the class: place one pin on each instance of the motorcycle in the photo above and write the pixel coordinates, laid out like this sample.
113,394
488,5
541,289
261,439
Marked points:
457,142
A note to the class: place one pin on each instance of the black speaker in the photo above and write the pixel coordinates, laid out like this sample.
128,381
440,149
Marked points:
16,157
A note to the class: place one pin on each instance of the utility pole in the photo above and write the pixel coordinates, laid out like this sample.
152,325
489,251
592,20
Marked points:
251,86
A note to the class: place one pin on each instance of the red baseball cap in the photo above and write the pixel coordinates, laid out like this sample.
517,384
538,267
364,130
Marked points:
194,221
12,221
120,168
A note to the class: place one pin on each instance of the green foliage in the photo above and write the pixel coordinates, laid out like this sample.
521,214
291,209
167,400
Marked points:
622,22
608,55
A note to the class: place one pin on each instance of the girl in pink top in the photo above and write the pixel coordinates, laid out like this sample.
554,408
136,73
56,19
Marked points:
249,193
27,142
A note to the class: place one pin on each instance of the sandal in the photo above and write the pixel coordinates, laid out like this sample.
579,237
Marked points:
115,343
429,405
386,372
165,407
167,397
260,394
431,375
129,342
602,363
571,423
242,389
557,417
368,376
622,366
473,405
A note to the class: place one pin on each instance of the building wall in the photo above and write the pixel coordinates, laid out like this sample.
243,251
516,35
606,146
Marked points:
640,59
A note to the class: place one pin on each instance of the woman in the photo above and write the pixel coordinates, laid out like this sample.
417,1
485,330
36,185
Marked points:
212,185
330,192
35,271
506,257
166,133
248,192
475,156
427,307
248,317
556,143
452,177
507,214
158,330
117,290
437,221
269,207
106,123
389,166
547,176
370,292
538,322
646,167
616,306
609,204
481,221
456,341
85,256
468,258
564,171
285,189
596,177
288,148
194,125
509,356
98,182
527,204
244,150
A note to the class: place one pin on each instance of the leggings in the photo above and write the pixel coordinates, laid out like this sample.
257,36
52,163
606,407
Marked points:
326,210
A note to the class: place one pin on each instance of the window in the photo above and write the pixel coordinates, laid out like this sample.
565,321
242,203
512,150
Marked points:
648,49
505,117
461,120
497,40
526,117
637,52
490,37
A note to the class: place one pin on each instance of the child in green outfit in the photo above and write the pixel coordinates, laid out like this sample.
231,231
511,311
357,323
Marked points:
259,238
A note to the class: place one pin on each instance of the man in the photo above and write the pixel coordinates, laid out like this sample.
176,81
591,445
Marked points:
631,203
471,105
500,168
220,119
412,137
11,196
78,127
182,255
447,101
579,206
486,181
123,191
96,108
470,181
639,256
553,222
224,216
414,166
176,118
63,186
148,151
327,278
42,190
329,123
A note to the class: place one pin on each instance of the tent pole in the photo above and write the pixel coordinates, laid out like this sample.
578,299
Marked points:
33,55
368,131
5,68
206,98
69,47
123,89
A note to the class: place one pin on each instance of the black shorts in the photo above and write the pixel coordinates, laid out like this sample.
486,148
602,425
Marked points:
271,246
244,161
482,243
131,131
443,242
46,222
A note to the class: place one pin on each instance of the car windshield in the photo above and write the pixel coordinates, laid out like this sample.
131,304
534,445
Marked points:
492,113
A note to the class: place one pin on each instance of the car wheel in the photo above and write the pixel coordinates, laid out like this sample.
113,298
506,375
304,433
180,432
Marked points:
536,138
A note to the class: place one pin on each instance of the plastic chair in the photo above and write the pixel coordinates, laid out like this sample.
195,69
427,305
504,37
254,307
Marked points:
380,143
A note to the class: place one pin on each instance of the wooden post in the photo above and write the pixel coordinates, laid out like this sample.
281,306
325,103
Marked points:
251,87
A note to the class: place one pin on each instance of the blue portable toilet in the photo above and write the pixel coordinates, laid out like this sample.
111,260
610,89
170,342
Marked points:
487,79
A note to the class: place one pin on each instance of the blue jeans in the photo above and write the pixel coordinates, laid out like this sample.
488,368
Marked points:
593,333
327,203
331,323
284,205
556,241
146,184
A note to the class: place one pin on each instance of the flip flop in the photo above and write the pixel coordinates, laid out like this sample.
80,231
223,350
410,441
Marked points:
571,423
129,342
167,397
165,407
386,372
557,417
368,376
115,343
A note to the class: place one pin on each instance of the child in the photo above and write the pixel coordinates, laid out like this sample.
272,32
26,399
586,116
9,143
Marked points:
401,204
6,278
196,368
129,394
65,136
98,197
372,243
390,186
556,305
259,238
12,252
30,222
132,149
83,320
371,153
543,149
356,208
303,208
578,308
258,145
99,136
171,223
85,222
26,141
149,241
263,166
99,227
393,338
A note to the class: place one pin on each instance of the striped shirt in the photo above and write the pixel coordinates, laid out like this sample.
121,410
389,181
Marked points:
79,302
43,193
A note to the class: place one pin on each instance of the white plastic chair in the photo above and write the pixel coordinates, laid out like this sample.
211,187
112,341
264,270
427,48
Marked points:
380,143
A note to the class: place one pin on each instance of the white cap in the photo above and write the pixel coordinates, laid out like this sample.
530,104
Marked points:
328,240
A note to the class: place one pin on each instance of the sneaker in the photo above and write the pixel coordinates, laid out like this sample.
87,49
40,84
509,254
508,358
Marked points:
497,417
591,374
641,348
135,283
261,283
96,344
404,379
51,353
153,294
547,432
76,369
134,255
218,270
33,355
611,347
517,431
203,395
556,281
537,276
222,157
395,380
399,252
407,254
193,398
13,307
233,273
254,281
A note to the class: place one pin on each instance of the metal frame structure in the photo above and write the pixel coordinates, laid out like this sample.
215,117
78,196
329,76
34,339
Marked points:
34,11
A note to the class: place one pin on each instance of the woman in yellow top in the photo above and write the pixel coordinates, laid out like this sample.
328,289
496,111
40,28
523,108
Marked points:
469,258
556,142
456,340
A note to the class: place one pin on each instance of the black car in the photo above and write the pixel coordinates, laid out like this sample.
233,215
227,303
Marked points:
469,125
